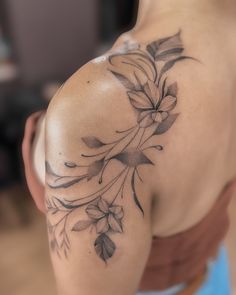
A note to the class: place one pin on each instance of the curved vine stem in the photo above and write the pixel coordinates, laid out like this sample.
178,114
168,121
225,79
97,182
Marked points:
88,199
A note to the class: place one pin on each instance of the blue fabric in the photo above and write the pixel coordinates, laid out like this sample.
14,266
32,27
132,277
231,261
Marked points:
217,281
218,278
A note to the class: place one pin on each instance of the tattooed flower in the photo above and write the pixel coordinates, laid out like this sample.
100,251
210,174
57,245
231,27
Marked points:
152,107
106,216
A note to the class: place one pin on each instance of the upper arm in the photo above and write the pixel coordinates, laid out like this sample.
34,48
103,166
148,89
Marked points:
98,207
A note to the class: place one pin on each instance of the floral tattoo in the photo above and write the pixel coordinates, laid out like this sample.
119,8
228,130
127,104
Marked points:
143,73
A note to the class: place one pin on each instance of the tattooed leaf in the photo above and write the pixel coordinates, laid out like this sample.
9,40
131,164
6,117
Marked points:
168,65
136,63
168,54
82,225
157,47
153,47
70,164
67,206
92,142
166,124
54,211
68,183
125,81
49,170
95,168
171,42
133,158
134,193
139,65
104,247
172,89
115,223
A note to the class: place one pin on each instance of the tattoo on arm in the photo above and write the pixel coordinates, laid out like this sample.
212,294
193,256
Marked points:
153,99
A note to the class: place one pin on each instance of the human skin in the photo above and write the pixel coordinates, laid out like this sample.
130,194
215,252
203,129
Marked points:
198,158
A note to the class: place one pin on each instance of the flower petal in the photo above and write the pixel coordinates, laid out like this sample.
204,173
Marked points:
103,205
120,215
168,103
115,224
143,114
164,115
158,117
139,100
117,211
81,225
102,225
94,212
152,91
146,121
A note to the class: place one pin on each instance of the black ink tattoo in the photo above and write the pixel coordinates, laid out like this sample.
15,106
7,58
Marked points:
143,73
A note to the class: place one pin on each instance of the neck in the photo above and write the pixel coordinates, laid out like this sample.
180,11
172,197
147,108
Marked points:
150,10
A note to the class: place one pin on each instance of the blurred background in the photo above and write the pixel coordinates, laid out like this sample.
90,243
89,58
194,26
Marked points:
41,44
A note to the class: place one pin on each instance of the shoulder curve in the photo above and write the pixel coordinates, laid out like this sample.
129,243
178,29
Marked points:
92,77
